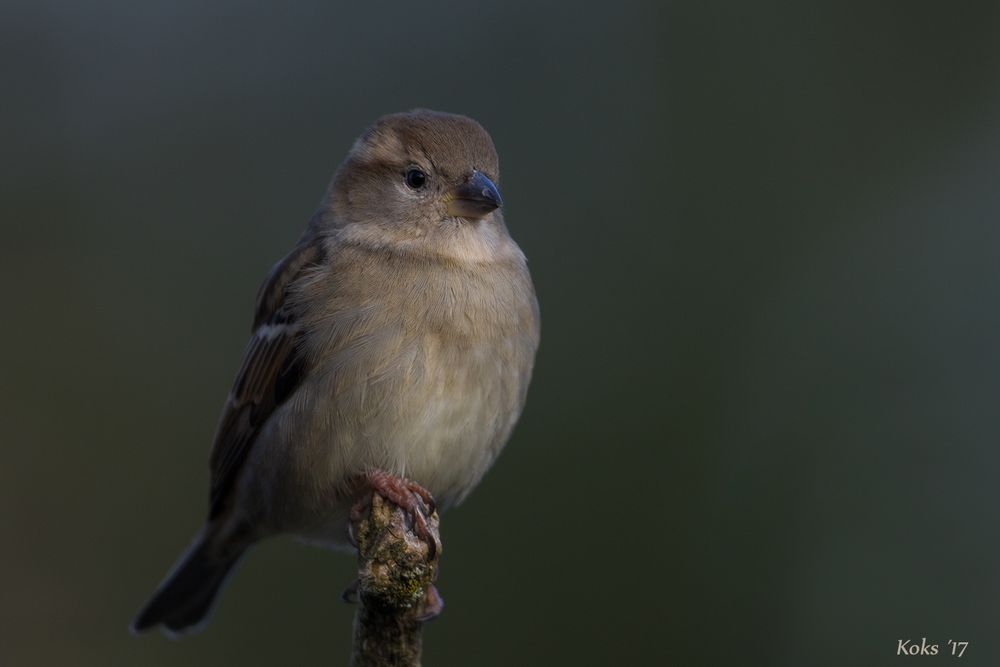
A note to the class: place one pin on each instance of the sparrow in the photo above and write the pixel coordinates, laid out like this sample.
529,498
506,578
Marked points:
391,352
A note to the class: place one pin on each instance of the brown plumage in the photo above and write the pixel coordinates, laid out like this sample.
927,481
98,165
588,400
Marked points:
399,335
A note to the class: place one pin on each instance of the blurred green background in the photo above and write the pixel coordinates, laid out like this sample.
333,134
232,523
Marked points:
763,426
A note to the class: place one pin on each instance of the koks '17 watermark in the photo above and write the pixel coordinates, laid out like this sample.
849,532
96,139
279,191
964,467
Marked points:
910,647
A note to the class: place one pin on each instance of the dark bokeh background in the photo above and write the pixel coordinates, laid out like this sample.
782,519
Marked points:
763,427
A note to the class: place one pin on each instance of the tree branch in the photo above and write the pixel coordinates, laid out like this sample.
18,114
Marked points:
395,573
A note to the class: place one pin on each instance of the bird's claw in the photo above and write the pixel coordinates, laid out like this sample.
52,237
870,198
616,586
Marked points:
432,606
406,494
350,594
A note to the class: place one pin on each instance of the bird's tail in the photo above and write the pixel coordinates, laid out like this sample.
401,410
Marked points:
182,602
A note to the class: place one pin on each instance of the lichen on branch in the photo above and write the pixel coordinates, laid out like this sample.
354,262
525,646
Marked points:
396,570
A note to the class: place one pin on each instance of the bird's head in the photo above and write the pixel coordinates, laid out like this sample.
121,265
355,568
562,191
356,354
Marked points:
412,172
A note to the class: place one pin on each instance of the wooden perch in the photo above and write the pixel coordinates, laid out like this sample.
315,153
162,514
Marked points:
396,570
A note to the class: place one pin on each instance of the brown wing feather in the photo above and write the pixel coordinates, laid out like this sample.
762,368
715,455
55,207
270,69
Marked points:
270,372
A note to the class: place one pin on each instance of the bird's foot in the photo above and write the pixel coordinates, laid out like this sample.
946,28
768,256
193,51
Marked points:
406,494
432,605
350,594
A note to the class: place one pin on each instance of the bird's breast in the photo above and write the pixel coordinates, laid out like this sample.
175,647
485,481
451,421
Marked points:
423,372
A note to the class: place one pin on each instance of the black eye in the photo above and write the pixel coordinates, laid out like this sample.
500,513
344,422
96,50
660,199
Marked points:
416,178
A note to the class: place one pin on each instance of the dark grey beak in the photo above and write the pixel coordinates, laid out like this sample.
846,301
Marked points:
474,199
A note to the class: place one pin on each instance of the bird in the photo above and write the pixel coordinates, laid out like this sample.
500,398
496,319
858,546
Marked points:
391,352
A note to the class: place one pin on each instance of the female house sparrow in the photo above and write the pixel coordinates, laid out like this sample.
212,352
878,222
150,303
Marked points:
391,351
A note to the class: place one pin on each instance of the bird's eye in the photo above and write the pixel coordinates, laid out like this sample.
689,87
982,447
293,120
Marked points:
416,179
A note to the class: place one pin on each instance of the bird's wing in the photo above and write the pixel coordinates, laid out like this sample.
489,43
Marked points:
273,365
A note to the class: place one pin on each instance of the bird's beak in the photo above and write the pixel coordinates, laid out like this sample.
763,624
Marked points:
474,198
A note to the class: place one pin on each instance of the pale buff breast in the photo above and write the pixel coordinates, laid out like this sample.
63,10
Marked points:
421,373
